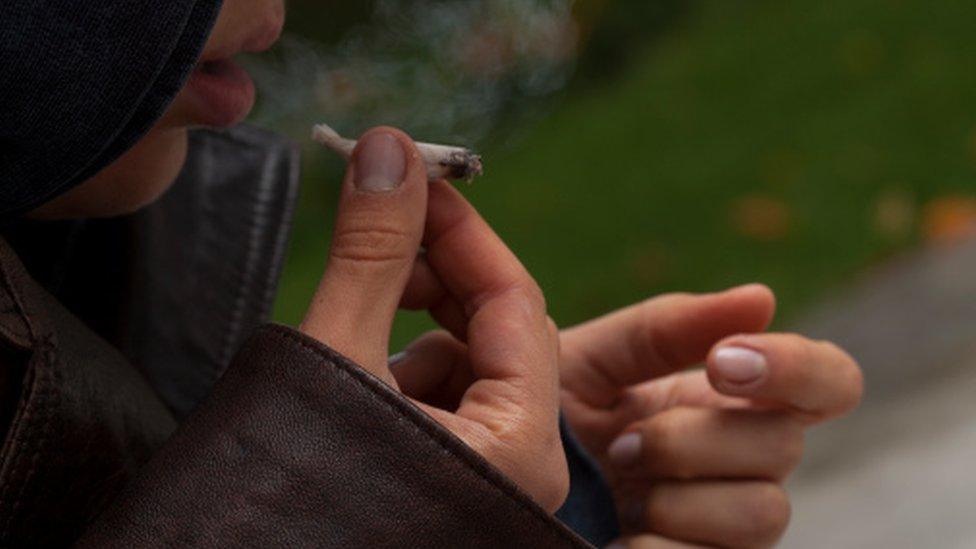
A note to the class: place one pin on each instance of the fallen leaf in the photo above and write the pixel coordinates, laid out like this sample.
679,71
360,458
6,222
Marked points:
949,218
760,217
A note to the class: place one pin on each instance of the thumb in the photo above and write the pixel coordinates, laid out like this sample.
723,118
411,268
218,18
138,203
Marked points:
379,227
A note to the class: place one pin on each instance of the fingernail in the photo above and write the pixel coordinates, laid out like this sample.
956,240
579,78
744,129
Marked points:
739,365
381,163
624,451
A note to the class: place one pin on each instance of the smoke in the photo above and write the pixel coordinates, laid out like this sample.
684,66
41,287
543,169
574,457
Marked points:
445,70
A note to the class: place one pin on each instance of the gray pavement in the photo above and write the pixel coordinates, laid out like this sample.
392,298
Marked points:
901,471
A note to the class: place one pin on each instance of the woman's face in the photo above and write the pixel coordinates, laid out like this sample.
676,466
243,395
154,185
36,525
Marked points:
218,94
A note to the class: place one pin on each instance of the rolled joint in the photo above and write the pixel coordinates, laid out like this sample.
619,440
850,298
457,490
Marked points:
442,161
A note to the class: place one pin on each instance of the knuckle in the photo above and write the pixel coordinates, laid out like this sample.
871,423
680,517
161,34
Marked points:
656,441
553,327
792,448
661,439
656,511
525,293
767,514
374,244
533,292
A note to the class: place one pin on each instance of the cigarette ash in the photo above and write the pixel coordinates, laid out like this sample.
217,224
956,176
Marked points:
463,166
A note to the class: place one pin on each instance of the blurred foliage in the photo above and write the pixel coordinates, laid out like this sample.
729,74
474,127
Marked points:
614,32
328,22
794,143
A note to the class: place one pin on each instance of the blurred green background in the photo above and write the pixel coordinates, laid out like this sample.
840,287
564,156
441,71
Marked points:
681,146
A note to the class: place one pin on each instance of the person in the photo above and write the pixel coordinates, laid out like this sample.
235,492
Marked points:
146,401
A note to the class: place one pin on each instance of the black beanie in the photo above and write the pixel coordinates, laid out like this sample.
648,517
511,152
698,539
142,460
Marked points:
81,81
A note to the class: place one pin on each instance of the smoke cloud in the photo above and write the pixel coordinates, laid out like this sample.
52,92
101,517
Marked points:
444,70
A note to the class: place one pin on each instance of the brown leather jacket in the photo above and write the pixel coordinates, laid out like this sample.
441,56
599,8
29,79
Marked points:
145,404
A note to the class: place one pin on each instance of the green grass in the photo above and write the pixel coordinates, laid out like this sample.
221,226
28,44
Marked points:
625,190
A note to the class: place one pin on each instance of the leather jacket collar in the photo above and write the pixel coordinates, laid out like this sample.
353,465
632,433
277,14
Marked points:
179,286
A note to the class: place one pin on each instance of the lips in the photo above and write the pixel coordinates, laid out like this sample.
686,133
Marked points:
220,93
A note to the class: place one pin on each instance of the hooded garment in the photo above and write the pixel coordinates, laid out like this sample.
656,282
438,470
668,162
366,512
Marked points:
178,288
88,84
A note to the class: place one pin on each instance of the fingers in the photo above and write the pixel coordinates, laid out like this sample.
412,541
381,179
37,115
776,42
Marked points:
433,370
650,541
512,407
378,231
425,291
696,443
816,379
656,338
726,514
508,333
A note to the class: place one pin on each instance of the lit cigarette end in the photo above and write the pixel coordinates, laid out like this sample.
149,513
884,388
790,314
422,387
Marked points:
443,162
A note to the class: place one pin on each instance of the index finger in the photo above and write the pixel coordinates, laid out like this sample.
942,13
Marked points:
508,334
656,338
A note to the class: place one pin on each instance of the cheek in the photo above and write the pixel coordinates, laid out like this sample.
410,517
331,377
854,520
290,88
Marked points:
144,173
133,181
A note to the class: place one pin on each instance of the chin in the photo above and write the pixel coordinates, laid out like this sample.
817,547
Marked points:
138,178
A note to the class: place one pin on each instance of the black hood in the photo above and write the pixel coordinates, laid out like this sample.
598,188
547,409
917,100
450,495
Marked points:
81,81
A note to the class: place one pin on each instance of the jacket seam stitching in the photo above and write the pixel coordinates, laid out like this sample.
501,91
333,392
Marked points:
52,402
44,402
258,215
283,232
8,287
19,462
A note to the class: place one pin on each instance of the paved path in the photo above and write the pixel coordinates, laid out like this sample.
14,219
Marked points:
901,472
